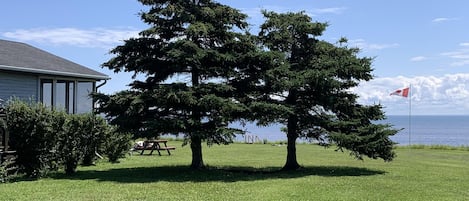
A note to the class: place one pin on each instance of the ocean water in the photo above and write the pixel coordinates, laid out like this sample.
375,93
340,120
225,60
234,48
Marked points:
428,130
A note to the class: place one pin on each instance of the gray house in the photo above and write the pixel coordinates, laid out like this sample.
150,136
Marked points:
28,73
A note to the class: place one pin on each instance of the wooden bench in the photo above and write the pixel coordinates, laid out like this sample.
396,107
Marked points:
155,145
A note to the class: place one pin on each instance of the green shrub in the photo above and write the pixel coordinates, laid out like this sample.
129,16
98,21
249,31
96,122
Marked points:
71,142
83,134
93,137
33,129
45,138
117,144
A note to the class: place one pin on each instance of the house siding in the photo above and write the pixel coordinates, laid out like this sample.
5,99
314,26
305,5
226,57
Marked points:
22,86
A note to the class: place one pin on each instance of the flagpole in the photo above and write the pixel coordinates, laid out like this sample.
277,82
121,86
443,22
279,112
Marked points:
410,112
407,93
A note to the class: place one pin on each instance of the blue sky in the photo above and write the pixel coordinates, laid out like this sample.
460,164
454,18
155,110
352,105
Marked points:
424,44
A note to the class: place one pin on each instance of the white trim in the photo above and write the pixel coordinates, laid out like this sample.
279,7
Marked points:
52,72
75,91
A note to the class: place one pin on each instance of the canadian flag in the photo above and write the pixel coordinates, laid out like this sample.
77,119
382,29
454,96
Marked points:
401,92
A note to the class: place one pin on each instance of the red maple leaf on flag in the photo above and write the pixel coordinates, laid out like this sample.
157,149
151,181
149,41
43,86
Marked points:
401,92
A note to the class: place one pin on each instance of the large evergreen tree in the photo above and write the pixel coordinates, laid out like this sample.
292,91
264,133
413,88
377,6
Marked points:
311,87
198,42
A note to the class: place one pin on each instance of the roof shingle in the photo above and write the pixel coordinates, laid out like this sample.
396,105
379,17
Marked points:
22,57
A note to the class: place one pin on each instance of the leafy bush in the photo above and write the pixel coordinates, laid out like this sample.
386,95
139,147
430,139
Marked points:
93,136
71,142
82,136
117,144
45,138
33,129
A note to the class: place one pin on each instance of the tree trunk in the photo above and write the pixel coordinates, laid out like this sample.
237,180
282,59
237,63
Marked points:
196,142
196,147
292,135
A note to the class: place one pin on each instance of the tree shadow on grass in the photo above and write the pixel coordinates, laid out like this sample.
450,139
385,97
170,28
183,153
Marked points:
222,174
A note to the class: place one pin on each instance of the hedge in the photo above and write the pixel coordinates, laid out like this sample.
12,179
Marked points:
46,139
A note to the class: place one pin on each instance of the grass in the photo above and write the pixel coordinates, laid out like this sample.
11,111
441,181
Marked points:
441,147
247,172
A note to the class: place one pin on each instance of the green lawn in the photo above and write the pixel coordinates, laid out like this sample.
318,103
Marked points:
243,172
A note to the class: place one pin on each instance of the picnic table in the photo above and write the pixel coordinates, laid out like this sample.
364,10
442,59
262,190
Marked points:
156,145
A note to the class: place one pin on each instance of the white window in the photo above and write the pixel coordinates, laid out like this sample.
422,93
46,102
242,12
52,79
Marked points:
71,96
46,92
84,101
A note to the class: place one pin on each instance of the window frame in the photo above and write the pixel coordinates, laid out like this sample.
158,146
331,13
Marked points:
70,105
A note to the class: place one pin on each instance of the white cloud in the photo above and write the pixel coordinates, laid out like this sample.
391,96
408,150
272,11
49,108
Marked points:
460,54
460,63
362,44
464,44
94,38
447,94
440,19
460,57
332,10
443,19
418,58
